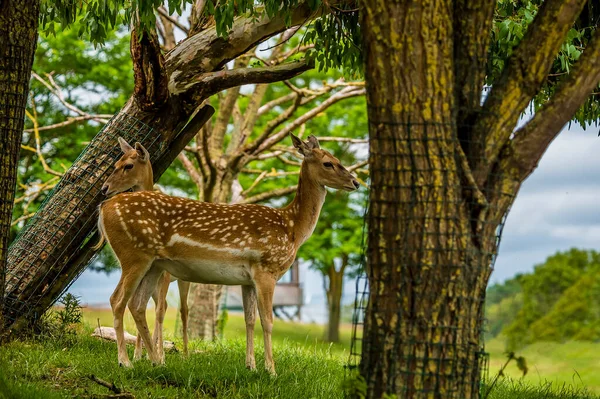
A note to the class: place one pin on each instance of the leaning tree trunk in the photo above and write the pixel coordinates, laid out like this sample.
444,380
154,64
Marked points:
18,40
429,262
334,301
55,246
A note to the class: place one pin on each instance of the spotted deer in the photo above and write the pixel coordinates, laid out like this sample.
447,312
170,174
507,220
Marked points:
232,244
133,171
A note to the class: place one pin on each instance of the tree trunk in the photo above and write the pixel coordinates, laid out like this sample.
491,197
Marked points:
204,310
429,257
18,40
334,302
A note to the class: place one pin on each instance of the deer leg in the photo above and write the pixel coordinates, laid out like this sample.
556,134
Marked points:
130,279
184,290
137,354
138,304
265,288
249,303
160,300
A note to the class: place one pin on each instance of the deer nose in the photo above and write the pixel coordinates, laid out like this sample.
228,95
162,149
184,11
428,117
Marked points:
356,183
104,189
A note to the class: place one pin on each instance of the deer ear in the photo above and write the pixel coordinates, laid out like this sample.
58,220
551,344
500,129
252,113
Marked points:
300,145
313,142
125,147
142,152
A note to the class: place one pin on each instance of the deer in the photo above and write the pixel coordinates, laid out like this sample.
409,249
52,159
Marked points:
250,245
133,171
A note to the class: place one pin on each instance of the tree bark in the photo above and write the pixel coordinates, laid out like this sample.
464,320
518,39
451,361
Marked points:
334,301
205,299
428,263
18,40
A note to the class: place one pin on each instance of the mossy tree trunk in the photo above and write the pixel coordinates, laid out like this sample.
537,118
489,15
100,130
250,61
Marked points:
18,40
444,171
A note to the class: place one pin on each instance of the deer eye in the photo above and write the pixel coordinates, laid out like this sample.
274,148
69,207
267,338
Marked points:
328,164
128,166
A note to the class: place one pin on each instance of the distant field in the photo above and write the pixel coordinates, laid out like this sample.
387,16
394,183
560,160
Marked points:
572,363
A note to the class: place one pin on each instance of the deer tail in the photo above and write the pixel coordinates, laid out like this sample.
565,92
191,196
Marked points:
100,231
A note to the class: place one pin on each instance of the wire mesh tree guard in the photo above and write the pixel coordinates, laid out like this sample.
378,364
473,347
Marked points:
46,258
419,307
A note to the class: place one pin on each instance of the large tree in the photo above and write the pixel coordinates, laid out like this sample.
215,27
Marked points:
18,38
446,167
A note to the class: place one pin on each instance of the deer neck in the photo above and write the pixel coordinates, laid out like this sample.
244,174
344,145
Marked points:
303,212
146,184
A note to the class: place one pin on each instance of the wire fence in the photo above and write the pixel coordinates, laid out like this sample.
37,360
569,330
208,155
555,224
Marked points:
419,308
54,248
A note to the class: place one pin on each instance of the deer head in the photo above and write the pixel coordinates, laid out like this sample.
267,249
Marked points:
132,171
323,167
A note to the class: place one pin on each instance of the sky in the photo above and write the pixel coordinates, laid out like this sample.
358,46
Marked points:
554,211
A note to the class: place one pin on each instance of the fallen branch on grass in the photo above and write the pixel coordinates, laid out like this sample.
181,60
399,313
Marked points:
118,393
109,334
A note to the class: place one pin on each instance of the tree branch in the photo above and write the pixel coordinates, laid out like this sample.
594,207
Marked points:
280,135
102,118
185,63
526,70
531,141
274,103
208,84
165,14
193,173
280,192
273,124
167,31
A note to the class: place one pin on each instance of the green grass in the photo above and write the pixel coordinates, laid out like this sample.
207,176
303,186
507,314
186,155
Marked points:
571,363
306,366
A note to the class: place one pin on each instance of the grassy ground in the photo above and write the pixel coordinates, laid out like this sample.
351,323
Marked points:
307,367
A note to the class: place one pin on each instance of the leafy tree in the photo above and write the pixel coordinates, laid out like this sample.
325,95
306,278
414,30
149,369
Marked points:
545,288
446,165
575,315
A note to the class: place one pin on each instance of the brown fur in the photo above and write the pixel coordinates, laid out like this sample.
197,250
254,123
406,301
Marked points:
133,171
248,245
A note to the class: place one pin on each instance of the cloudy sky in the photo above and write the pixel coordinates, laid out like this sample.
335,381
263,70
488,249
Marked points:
555,210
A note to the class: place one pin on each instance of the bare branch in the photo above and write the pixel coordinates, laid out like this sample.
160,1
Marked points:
38,145
165,14
103,118
22,219
273,124
358,165
55,89
167,32
193,173
274,103
343,140
341,95
280,192
255,183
